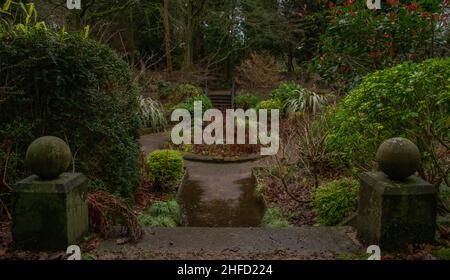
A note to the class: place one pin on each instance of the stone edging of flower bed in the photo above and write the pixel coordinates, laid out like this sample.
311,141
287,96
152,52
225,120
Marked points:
219,159
181,184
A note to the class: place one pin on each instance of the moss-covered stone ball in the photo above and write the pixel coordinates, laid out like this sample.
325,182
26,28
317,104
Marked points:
48,157
398,158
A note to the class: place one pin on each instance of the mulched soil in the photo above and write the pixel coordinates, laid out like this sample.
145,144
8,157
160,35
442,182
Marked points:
220,150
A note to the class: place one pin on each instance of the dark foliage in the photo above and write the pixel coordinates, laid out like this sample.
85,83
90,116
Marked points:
76,89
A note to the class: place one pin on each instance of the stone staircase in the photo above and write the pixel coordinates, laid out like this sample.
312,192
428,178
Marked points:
221,100
197,243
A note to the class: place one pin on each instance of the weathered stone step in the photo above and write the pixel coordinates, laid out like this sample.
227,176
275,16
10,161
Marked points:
237,243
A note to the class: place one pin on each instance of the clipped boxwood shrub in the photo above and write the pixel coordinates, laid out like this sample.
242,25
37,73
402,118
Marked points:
335,200
246,101
77,89
408,100
165,167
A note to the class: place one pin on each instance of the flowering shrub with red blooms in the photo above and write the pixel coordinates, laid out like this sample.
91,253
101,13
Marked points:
359,41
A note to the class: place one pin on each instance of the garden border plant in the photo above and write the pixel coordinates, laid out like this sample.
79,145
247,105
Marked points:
75,88
410,100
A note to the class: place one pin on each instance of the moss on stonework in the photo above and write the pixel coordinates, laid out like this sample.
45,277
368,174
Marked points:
395,214
442,254
49,215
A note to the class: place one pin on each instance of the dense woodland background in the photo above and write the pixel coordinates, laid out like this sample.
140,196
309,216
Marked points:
209,39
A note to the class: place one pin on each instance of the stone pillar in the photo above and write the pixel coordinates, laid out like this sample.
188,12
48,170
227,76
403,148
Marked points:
396,208
49,209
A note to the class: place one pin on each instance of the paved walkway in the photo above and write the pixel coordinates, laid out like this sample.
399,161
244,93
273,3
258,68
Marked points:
153,142
219,183
215,195
236,243
220,195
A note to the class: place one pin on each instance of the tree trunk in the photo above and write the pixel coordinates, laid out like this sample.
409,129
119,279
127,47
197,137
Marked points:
131,43
290,61
167,40
189,38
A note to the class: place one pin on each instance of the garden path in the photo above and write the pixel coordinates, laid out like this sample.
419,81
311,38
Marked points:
215,195
230,242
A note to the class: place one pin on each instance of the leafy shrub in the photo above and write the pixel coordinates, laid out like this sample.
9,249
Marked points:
442,254
189,103
258,71
162,214
285,91
152,114
335,200
358,41
180,93
274,218
79,90
247,101
269,104
408,100
165,167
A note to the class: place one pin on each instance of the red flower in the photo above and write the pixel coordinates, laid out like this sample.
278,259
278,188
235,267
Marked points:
352,13
424,14
391,16
413,6
330,5
392,2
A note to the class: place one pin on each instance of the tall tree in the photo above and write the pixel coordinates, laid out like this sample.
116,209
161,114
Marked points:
167,40
193,11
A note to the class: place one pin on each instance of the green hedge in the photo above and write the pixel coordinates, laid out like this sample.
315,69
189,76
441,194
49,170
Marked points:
79,90
408,100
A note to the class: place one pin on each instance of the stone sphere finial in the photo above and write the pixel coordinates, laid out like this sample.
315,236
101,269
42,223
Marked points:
398,158
48,157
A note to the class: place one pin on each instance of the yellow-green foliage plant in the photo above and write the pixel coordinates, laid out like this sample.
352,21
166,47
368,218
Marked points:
165,168
335,200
